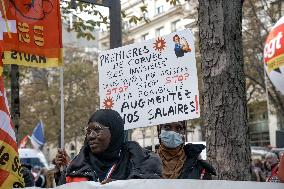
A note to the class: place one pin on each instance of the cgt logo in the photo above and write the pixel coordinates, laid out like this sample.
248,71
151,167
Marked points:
272,46
33,9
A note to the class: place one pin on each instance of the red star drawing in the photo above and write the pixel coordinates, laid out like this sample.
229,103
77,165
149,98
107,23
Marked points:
160,44
108,103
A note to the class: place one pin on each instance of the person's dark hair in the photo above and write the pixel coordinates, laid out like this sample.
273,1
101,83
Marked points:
176,35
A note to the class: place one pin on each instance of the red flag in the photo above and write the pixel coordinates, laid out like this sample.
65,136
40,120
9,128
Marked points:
10,168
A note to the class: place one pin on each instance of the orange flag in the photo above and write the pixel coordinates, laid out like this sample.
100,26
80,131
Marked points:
30,32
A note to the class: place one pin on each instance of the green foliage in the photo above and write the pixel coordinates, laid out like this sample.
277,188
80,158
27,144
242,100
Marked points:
173,2
84,28
143,8
135,19
123,14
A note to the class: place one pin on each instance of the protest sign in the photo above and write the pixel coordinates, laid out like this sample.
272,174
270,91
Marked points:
274,55
151,82
30,32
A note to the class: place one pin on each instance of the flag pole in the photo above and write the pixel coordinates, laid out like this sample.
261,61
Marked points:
62,109
42,125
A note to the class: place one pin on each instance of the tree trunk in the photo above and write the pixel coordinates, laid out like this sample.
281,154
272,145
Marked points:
227,133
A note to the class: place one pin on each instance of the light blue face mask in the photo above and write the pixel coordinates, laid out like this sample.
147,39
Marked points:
171,139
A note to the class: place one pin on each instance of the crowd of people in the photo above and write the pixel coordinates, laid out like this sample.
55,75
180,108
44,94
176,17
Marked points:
268,169
106,157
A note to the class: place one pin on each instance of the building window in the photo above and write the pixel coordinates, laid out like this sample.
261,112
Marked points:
160,9
174,26
145,37
160,31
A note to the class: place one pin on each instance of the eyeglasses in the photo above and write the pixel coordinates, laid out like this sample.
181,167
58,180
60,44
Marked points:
98,129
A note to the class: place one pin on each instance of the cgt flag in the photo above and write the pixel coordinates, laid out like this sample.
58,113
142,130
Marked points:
10,168
274,55
30,32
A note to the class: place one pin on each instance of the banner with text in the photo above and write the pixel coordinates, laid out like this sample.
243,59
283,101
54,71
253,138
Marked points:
151,82
30,32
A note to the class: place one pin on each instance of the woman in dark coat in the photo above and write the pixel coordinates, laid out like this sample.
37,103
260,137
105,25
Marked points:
105,157
181,161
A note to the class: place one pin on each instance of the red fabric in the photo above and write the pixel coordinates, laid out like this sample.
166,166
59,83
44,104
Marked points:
281,169
76,179
8,139
3,176
273,177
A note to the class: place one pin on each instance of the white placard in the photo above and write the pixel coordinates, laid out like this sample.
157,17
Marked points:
151,82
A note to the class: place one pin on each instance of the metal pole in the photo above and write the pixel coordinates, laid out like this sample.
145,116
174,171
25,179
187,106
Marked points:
62,109
115,24
116,34
15,98
61,112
